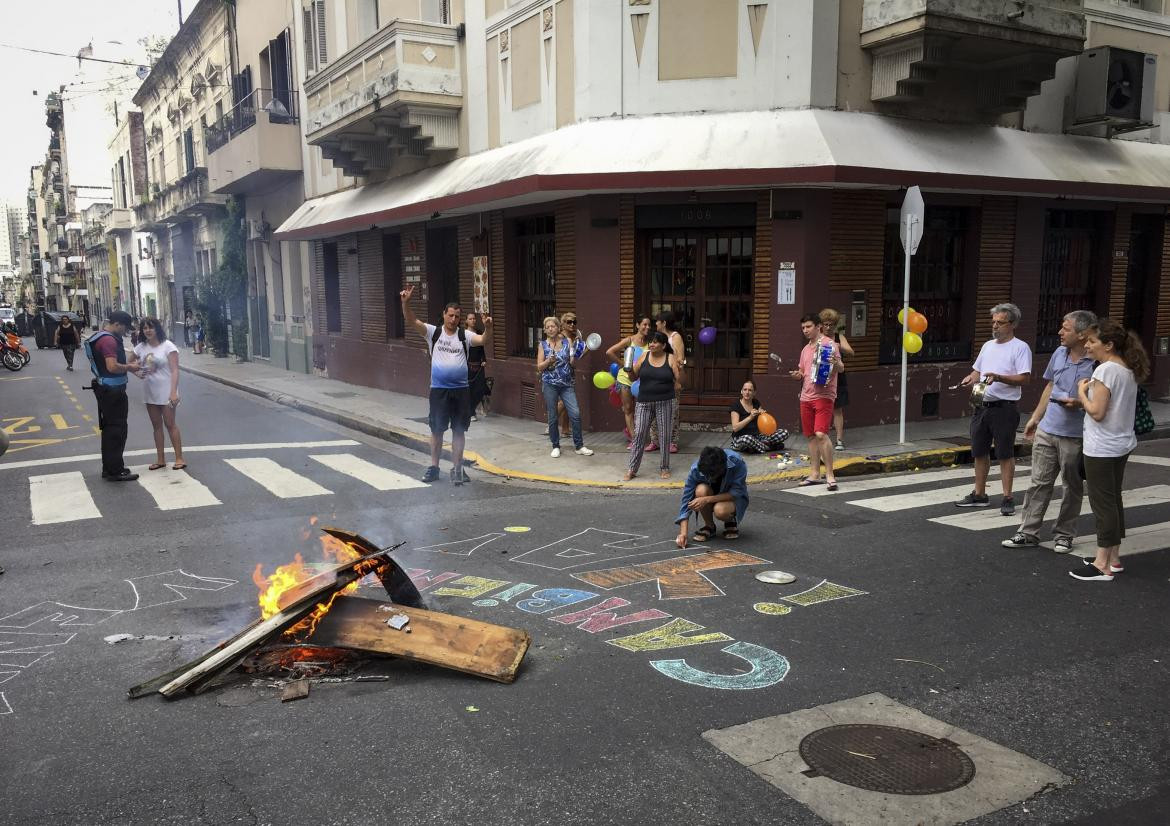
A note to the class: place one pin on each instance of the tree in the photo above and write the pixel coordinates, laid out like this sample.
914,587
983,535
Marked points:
218,292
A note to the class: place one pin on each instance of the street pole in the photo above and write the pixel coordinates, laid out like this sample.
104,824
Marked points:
905,321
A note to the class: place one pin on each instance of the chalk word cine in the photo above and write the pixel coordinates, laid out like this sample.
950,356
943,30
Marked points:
767,667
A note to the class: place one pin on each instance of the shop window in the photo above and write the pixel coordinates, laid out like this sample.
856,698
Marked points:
936,285
1072,244
332,280
536,281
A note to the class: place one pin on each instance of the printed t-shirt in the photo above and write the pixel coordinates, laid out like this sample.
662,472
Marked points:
448,359
1011,358
810,390
1064,375
156,386
561,372
1113,435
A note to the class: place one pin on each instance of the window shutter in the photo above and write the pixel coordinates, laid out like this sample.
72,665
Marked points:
322,52
310,52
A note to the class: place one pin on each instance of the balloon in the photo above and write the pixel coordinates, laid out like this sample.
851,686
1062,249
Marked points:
602,380
615,399
593,341
613,370
635,387
707,335
901,312
916,323
766,423
912,342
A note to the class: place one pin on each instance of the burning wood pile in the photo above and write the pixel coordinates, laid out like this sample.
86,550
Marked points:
320,613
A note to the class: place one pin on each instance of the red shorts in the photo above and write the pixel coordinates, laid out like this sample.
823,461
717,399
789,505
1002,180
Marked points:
816,416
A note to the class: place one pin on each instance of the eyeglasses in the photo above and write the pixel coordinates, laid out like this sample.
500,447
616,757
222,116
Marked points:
1000,323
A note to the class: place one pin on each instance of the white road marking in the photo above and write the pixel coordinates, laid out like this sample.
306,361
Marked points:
96,457
1151,460
279,480
1137,540
882,482
989,518
936,496
61,497
377,477
174,490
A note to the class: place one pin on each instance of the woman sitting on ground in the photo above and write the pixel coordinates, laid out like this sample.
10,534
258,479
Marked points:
745,429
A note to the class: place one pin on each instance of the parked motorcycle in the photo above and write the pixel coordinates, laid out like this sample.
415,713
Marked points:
16,343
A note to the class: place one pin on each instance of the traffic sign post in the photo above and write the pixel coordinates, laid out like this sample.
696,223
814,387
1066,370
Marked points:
913,213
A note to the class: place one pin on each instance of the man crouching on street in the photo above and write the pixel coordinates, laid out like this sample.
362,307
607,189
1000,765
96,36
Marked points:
716,488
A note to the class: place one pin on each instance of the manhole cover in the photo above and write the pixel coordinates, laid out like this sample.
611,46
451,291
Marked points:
886,759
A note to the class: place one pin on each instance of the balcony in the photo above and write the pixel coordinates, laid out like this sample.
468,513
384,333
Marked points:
186,199
397,94
931,56
256,144
120,220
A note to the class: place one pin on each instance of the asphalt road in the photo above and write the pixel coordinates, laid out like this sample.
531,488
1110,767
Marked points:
999,642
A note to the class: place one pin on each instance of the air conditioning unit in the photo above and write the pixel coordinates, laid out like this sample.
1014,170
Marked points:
258,230
1115,86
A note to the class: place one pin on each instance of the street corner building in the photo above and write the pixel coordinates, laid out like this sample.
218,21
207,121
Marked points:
736,163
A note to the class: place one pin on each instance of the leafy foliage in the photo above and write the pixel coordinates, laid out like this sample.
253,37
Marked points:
216,291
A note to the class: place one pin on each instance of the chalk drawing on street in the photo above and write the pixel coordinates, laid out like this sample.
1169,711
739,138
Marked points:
590,546
772,608
167,587
768,668
517,529
20,649
462,547
681,577
825,591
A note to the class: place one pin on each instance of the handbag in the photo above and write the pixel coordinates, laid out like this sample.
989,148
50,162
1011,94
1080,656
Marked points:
1143,419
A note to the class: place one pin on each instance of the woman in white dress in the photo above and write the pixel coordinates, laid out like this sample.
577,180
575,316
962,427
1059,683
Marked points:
159,371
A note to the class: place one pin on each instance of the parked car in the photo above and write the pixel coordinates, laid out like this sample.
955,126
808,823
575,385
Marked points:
45,325
7,316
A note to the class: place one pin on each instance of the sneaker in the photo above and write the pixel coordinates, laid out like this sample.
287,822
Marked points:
457,476
1008,506
1113,569
629,445
1020,540
673,447
475,418
653,446
839,446
432,474
626,432
973,500
556,453
1062,545
583,451
1088,572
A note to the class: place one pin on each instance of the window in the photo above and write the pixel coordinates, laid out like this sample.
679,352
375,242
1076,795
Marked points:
189,149
313,20
436,11
392,285
536,280
936,285
1068,264
332,279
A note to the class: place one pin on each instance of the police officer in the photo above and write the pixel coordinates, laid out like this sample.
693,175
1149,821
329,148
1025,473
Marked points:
110,365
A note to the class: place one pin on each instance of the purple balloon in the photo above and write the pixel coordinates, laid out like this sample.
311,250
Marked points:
707,335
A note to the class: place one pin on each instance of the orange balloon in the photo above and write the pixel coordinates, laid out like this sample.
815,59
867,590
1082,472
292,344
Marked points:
766,424
916,323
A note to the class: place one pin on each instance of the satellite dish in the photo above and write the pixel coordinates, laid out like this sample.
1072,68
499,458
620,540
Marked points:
142,72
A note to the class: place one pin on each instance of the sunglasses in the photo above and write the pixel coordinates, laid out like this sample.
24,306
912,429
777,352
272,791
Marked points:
570,321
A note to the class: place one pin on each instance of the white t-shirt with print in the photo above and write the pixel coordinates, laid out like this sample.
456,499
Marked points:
156,387
1113,435
1010,358
448,358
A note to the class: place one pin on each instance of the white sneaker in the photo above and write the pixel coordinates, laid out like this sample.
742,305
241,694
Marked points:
556,453
583,451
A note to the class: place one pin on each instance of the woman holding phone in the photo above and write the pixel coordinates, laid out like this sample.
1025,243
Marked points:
158,360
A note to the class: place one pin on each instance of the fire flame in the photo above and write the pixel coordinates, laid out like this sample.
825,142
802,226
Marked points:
288,576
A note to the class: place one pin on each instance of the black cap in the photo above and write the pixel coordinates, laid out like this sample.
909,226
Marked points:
120,317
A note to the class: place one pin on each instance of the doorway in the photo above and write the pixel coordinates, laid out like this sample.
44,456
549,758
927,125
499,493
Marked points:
1145,260
442,247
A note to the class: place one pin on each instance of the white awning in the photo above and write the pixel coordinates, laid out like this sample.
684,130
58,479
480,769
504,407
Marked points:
748,150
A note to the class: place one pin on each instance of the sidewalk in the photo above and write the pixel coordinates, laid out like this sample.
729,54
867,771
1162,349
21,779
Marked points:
518,448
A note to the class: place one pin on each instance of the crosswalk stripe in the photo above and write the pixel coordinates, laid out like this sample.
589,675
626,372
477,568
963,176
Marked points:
983,520
1138,540
1151,460
279,480
922,498
882,482
61,497
149,451
377,477
174,489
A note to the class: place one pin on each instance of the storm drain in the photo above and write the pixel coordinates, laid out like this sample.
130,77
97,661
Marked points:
886,759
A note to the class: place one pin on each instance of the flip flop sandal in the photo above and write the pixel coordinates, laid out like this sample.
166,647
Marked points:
179,466
731,530
804,483
157,466
704,533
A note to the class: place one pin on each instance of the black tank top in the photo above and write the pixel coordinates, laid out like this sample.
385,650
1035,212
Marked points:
657,383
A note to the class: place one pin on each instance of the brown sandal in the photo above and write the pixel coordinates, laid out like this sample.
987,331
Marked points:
157,466
704,533
179,466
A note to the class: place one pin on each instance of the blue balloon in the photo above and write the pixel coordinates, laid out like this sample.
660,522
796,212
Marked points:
635,387
613,369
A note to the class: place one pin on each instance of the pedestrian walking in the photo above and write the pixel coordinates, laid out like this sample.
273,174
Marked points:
1056,428
68,338
188,324
110,364
1005,365
1110,402
666,324
158,361
820,365
831,327
745,429
554,365
450,396
657,374
477,380
627,352
716,488
198,334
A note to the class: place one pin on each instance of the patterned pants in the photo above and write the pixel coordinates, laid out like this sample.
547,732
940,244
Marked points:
673,430
643,413
761,443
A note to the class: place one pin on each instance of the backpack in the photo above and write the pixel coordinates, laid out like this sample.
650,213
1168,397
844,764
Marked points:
462,339
89,354
1143,419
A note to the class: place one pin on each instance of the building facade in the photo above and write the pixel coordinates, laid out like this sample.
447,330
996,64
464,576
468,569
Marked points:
738,164
129,251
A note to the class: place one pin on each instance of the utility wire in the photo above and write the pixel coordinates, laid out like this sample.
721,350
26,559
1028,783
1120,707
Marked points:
71,56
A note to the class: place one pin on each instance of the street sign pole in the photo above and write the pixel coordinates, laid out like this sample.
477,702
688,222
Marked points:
912,218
